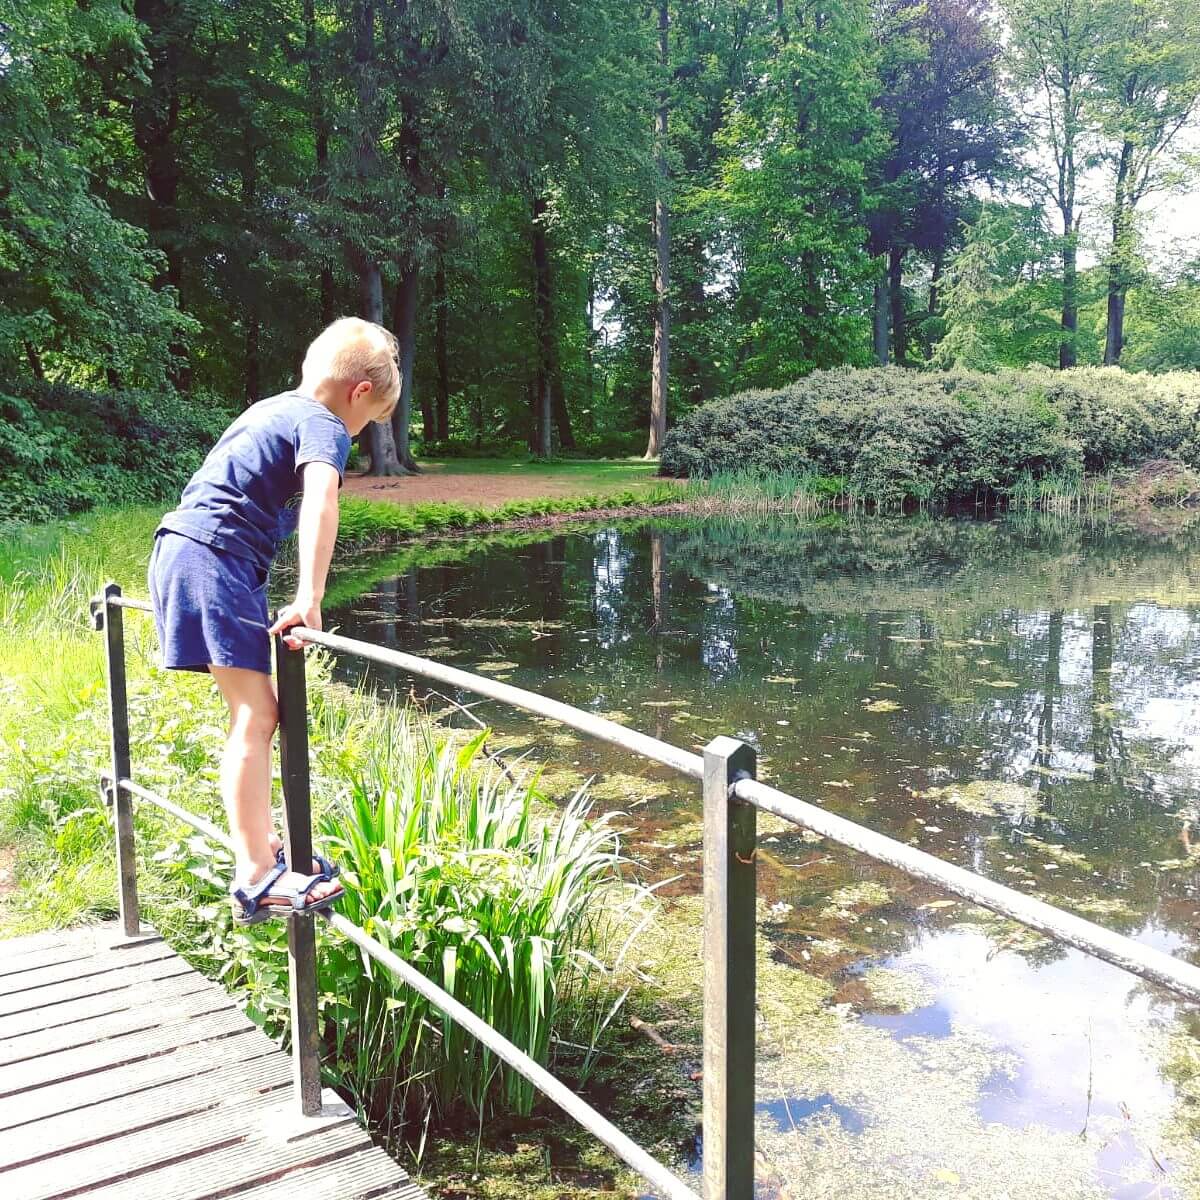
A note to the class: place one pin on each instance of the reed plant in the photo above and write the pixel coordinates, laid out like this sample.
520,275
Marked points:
458,866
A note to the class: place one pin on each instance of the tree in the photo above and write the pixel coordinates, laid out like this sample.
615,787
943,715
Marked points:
797,149
1002,297
77,283
660,369
943,112
1055,50
367,119
1148,88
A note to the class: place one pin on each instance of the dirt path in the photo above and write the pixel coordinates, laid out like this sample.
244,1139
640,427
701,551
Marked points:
446,482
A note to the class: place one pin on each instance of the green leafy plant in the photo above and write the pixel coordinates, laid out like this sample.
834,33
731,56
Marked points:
460,868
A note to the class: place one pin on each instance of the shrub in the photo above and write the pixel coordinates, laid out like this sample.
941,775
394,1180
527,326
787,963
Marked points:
65,450
898,435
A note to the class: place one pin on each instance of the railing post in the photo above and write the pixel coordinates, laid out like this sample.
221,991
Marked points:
118,740
297,837
729,973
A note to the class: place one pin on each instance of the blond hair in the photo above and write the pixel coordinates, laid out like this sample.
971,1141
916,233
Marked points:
352,350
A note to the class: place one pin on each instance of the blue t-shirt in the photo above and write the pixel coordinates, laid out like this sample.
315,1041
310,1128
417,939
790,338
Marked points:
237,500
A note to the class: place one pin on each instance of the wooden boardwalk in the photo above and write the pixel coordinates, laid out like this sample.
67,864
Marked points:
126,1075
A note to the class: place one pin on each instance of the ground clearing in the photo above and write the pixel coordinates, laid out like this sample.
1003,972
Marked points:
495,481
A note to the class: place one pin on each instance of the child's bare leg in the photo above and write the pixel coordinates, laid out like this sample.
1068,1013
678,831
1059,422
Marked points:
246,772
246,766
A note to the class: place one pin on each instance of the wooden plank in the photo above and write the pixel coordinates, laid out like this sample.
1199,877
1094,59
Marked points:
15,964
101,1085
125,1074
93,965
232,1170
127,1114
138,996
93,985
35,942
225,1127
111,1053
166,1010
365,1173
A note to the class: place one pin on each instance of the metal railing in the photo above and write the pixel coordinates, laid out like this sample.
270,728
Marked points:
731,798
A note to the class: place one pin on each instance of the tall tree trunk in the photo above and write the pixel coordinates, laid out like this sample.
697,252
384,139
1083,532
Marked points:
880,323
441,340
1070,298
543,406
1118,263
935,281
589,350
558,403
896,297
320,125
34,359
1066,207
155,123
404,325
376,438
251,323
661,360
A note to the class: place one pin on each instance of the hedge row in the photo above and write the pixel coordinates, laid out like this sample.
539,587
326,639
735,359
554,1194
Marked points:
890,435
64,450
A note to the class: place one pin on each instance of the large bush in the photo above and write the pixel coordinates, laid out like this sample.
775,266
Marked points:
64,450
889,434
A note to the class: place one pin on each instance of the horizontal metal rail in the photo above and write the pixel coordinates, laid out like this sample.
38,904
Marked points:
684,761
1181,977
129,602
179,813
622,1146
1116,948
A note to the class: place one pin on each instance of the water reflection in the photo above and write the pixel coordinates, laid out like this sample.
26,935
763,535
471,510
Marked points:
1025,702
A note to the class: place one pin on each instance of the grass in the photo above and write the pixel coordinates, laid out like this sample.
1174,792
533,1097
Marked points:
364,521
589,476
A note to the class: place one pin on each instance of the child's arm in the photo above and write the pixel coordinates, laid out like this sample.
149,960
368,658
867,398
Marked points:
316,533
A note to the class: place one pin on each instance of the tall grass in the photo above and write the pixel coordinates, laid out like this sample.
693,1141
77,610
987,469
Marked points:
461,869
758,493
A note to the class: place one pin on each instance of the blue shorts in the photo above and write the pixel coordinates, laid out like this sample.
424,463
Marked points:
210,607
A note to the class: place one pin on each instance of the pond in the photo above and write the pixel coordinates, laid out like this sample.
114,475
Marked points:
1019,698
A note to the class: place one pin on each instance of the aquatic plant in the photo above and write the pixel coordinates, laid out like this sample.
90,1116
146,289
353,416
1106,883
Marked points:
462,866
458,866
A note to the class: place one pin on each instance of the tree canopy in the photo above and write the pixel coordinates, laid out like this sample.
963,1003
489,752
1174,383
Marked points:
582,219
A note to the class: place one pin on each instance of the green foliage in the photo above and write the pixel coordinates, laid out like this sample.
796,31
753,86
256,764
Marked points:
460,871
373,520
1002,299
896,436
791,195
64,450
76,281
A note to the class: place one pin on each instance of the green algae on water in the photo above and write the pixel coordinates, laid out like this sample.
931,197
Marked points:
988,797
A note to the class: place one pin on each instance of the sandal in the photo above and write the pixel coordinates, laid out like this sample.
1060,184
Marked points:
261,900
327,869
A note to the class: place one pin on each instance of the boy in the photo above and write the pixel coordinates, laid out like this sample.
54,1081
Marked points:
208,578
